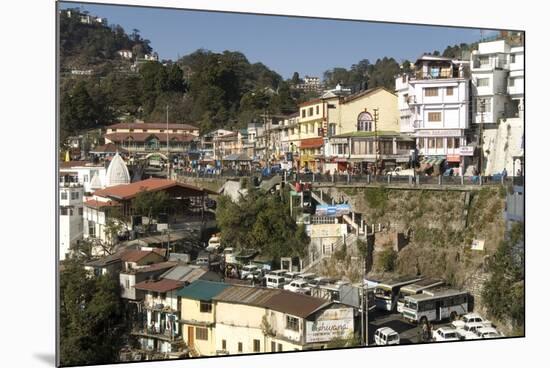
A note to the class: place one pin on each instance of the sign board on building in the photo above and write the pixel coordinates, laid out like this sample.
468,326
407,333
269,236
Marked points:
336,210
466,151
331,324
439,133
478,244
338,140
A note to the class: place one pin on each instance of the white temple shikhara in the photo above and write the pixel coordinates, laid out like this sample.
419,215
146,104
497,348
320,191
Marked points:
117,172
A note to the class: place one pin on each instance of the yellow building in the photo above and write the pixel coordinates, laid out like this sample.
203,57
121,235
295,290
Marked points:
198,316
363,130
312,126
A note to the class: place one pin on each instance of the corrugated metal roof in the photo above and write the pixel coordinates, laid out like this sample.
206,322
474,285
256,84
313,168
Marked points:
283,301
202,290
247,295
299,305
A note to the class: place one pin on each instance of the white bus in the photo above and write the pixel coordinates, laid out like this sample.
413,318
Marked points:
414,289
386,293
435,305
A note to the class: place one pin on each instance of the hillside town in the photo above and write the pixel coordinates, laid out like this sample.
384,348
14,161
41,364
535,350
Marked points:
148,204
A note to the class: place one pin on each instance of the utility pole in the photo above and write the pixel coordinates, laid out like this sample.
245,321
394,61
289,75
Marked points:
167,145
376,142
480,138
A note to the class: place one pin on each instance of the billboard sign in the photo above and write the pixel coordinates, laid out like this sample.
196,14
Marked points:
331,324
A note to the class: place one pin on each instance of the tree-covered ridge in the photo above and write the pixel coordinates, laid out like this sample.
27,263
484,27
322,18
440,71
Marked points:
208,89
84,44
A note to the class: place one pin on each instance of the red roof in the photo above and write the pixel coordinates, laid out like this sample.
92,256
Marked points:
161,286
134,255
129,191
98,204
311,142
108,148
143,137
310,102
151,126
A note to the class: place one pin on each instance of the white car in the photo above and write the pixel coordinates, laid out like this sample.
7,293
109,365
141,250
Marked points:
470,318
401,172
274,282
213,244
445,333
386,336
468,332
488,333
289,276
298,286
247,270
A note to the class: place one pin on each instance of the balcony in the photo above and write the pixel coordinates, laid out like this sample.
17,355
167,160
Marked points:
491,63
156,333
436,73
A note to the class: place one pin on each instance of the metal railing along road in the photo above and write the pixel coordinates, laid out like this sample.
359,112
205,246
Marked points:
350,179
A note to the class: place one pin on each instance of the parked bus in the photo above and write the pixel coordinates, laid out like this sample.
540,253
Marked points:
435,305
414,289
386,292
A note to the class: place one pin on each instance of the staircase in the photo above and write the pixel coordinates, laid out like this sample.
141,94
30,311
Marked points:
348,240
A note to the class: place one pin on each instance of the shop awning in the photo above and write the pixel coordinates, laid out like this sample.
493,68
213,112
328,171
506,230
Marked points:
237,157
312,142
434,161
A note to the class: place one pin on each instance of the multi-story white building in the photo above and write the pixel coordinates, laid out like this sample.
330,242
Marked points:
498,95
434,107
90,176
71,193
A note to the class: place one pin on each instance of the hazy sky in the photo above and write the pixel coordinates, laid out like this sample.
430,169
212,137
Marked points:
284,44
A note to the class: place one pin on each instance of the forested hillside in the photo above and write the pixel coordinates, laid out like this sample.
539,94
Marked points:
207,89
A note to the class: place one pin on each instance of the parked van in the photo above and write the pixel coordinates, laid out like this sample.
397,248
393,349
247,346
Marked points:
386,336
213,244
274,282
277,273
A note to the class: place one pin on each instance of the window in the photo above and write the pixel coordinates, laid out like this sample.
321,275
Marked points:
273,346
484,60
74,195
256,346
439,143
434,116
364,122
450,91
310,111
240,347
292,323
81,211
331,129
430,92
163,296
127,284
206,307
279,347
70,211
406,98
201,333
317,109
63,195
304,113
224,345
421,143
512,82
483,105
85,178
431,142
91,229
512,59
483,82
453,142
64,211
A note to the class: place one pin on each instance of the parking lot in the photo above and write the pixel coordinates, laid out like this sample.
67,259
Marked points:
409,333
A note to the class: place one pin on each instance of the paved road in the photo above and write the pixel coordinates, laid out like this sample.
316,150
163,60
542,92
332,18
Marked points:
409,333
